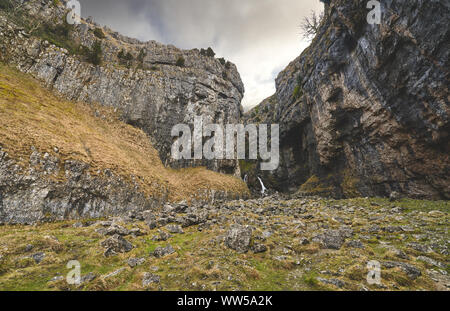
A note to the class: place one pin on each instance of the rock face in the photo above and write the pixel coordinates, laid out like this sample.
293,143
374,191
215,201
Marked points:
160,86
151,86
27,196
365,109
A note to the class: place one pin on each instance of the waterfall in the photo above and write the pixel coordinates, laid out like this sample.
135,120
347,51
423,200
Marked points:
263,188
246,178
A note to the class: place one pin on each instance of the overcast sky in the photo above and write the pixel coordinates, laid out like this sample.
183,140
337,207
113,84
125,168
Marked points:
260,36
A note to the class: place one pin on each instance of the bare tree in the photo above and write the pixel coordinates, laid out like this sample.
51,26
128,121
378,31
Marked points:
310,25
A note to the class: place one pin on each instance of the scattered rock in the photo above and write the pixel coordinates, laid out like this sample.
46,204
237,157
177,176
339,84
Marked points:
175,229
394,196
258,248
28,248
189,220
335,282
105,223
160,252
114,273
77,225
238,238
150,278
88,278
162,236
38,257
56,279
420,248
267,234
400,254
333,239
431,262
355,244
134,262
116,244
168,209
412,272
152,224
304,241
180,207
392,229
137,232
117,229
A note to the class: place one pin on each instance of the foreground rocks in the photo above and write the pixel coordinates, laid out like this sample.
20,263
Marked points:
276,243
239,238
116,244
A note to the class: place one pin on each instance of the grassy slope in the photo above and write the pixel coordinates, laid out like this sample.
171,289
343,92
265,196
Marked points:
202,263
32,116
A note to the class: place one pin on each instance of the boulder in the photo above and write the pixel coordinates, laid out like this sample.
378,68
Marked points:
160,252
116,244
239,238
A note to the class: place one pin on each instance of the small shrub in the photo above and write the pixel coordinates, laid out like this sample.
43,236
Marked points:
180,61
93,55
297,92
5,5
141,56
125,59
121,54
58,35
129,56
208,52
222,61
98,32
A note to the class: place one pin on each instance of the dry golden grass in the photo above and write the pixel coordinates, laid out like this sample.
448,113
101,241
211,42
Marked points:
32,116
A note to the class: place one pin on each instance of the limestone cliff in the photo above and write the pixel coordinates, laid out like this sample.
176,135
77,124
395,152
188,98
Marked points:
97,141
364,110
154,86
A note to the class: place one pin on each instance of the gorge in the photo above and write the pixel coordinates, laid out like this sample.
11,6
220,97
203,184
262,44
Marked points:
88,178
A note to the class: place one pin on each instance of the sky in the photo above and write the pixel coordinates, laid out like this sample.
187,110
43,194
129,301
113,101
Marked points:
260,36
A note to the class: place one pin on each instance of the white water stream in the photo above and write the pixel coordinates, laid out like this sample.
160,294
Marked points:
263,188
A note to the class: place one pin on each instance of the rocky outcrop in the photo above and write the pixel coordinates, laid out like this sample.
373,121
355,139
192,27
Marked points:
39,194
154,86
365,109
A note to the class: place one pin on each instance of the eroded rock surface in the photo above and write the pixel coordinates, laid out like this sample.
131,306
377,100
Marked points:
365,109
